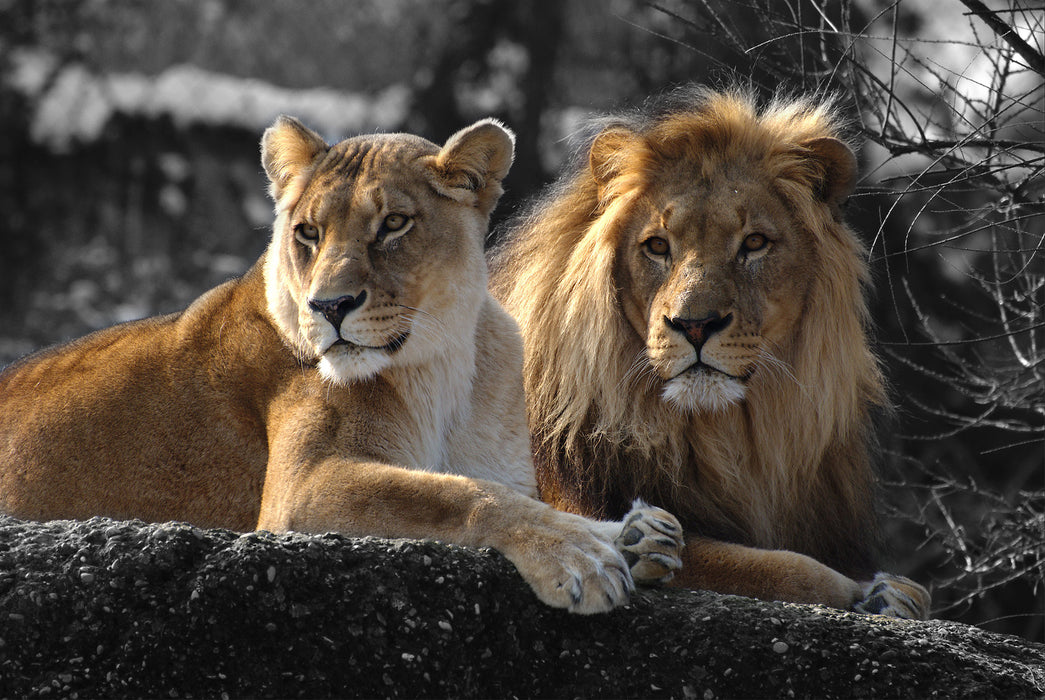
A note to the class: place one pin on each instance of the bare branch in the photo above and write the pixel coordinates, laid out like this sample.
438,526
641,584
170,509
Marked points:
1035,59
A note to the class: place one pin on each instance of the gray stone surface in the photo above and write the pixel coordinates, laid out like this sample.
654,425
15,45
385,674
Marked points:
117,609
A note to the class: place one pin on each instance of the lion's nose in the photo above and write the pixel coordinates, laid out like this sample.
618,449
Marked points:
335,310
697,331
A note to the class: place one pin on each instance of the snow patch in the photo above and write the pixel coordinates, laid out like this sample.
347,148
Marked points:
73,105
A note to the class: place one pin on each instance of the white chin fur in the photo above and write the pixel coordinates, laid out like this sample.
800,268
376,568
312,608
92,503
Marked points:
703,390
352,365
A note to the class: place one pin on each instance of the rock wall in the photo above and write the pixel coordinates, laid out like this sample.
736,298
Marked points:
122,609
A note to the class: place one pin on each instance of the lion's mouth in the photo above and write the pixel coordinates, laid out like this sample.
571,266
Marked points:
699,367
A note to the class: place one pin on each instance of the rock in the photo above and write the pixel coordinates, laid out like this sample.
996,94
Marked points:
123,609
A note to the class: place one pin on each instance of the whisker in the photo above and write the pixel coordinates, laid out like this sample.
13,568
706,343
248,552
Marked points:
635,371
640,375
425,322
777,367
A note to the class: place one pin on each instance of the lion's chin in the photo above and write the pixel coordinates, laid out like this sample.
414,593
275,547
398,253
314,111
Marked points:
703,389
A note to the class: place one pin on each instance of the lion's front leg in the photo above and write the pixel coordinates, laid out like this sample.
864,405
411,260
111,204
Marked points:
777,574
796,578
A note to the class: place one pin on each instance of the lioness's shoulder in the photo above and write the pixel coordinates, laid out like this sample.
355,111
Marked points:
498,334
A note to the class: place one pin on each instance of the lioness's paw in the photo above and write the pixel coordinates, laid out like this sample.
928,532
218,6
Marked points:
570,565
896,596
595,588
651,542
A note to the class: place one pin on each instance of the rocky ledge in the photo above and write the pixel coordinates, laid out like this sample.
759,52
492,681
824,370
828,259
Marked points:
122,609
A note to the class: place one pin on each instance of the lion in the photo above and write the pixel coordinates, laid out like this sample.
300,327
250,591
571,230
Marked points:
359,378
695,331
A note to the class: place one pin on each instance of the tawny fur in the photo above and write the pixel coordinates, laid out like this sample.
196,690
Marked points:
778,460
255,408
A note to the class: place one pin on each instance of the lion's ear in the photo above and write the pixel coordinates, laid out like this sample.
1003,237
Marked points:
607,155
839,166
471,165
287,148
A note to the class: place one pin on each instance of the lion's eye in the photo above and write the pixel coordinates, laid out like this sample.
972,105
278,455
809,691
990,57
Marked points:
657,246
394,222
754,242
306,233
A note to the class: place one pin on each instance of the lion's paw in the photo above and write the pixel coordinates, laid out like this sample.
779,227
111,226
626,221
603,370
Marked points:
895,596
651,542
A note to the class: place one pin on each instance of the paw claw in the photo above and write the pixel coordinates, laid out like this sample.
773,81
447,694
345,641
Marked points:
573,590
665,527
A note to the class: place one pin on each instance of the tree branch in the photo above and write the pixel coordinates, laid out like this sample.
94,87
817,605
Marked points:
1034,58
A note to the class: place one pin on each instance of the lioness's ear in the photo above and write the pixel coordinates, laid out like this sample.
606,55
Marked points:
473,162
839,166
287,148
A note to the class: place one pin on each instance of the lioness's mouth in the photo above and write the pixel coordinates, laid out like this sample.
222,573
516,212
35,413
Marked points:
392,346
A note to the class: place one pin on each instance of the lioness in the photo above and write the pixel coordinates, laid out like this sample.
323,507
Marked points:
358,378
695,334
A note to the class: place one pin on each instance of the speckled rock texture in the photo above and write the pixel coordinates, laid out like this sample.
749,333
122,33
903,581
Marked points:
121,609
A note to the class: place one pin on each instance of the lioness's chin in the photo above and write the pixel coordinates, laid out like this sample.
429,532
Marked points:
344,365
703,390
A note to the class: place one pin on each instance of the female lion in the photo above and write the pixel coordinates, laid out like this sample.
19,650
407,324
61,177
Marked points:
358,378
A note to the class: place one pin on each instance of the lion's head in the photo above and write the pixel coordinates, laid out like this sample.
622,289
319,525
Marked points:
694,320
721,226
377,249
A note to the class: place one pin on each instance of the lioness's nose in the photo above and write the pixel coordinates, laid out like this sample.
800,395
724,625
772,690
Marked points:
697,331
335,310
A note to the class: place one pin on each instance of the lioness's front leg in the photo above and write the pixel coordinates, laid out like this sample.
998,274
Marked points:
567,559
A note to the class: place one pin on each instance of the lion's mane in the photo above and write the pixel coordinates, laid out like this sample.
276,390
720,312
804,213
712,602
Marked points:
789,466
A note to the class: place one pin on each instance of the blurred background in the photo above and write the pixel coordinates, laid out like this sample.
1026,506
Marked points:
130,182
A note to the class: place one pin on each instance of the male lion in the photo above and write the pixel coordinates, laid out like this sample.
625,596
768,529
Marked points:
694,328
359,378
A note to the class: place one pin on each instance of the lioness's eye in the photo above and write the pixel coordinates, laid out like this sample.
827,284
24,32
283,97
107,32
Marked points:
657,246
394,222
754,242
306,233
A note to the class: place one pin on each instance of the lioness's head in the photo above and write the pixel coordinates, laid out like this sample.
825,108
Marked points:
721,220
377,249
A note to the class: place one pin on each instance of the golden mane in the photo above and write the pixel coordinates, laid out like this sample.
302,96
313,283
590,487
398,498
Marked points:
601,431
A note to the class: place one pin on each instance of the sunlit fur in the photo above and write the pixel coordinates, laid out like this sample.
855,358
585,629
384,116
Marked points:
787,465
245,411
